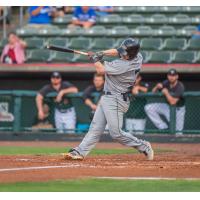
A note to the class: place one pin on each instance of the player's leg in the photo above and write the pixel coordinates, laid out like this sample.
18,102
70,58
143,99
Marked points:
180,119
115,108
154,110
70,120
58,121
96,129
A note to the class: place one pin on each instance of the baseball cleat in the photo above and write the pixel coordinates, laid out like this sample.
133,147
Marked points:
73,155
149,153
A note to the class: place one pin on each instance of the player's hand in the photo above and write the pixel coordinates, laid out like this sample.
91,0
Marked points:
95,58
93,107
41,115
165,91
59,97
135,90
159,86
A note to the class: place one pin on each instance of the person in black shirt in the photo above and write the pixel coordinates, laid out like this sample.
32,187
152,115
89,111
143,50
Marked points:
173,91
65,116
97,87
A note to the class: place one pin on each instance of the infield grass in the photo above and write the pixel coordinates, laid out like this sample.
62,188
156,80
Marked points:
104,185
20,150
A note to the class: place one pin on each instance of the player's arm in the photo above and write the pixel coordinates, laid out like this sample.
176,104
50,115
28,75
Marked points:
110,52
171,100
158,86
36,11
89,103
69,90
39,104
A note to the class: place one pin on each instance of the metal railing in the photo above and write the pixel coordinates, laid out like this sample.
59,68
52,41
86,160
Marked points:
18,111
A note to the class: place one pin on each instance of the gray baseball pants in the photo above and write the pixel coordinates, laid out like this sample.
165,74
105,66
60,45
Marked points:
110,111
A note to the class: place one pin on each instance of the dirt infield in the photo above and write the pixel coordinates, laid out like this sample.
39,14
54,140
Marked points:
182,161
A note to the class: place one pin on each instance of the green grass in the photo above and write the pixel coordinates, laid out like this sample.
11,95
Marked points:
8,150
104,185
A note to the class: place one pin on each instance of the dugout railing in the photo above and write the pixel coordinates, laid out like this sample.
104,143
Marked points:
18,113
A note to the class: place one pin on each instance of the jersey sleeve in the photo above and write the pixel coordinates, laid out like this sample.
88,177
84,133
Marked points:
45,90
179,91
165,83
67,84
117,67
87,92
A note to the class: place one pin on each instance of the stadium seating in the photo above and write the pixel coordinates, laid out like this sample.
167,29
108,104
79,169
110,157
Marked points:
103,43
63,57
194,44
39,55
160,57
174,44
34,43
160,29
184,57
151,43
58,42
80,43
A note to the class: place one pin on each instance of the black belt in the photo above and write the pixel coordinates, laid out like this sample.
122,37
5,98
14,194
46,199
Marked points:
124,95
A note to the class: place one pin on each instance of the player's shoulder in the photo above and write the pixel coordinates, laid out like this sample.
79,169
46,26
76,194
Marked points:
180,84
67,83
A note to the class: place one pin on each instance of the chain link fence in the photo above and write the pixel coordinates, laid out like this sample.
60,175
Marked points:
148,113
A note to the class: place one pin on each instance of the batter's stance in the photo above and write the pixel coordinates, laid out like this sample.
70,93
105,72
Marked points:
120,76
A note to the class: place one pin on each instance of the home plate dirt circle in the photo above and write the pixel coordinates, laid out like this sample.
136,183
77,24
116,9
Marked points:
183,163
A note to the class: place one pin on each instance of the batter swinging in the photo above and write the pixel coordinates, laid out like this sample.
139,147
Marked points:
120,76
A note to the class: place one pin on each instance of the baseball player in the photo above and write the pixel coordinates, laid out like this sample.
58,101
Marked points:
120,76
65,116
173,91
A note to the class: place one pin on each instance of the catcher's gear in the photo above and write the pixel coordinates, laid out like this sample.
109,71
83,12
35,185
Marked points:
129,47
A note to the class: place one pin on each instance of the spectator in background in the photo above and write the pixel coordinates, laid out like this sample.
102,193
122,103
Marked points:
40,15
103,10
197,34
65,116
83,16
136,117
14,51
96,87
61,11
173,91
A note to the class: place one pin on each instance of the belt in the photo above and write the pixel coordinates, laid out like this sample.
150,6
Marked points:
124,95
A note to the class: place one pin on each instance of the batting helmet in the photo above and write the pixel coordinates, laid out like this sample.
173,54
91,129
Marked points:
129,47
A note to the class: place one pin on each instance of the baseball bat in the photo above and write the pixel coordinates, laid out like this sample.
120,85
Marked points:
63,49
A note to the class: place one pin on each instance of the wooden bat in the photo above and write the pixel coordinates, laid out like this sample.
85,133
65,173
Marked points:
63,49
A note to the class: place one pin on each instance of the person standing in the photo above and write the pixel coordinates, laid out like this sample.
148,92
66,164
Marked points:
14,51
96,87
120,75
173,91
64,115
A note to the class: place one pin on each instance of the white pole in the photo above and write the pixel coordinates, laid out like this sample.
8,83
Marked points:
4,22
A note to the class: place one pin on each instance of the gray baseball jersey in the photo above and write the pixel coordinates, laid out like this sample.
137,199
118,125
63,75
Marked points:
119,77
121,74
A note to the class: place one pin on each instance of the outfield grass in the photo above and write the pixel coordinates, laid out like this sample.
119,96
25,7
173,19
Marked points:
8,150
105,185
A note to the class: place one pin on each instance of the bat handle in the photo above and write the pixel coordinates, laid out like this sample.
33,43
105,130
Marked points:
81,52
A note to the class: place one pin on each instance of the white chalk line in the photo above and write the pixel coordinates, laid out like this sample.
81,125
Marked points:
37,168
103,177
145,178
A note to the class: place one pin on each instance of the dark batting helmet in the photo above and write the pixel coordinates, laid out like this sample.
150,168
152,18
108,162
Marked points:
129,47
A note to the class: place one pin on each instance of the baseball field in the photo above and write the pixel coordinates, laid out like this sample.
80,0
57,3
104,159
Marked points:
39,166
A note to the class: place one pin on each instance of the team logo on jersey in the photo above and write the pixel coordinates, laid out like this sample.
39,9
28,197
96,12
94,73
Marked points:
5,116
